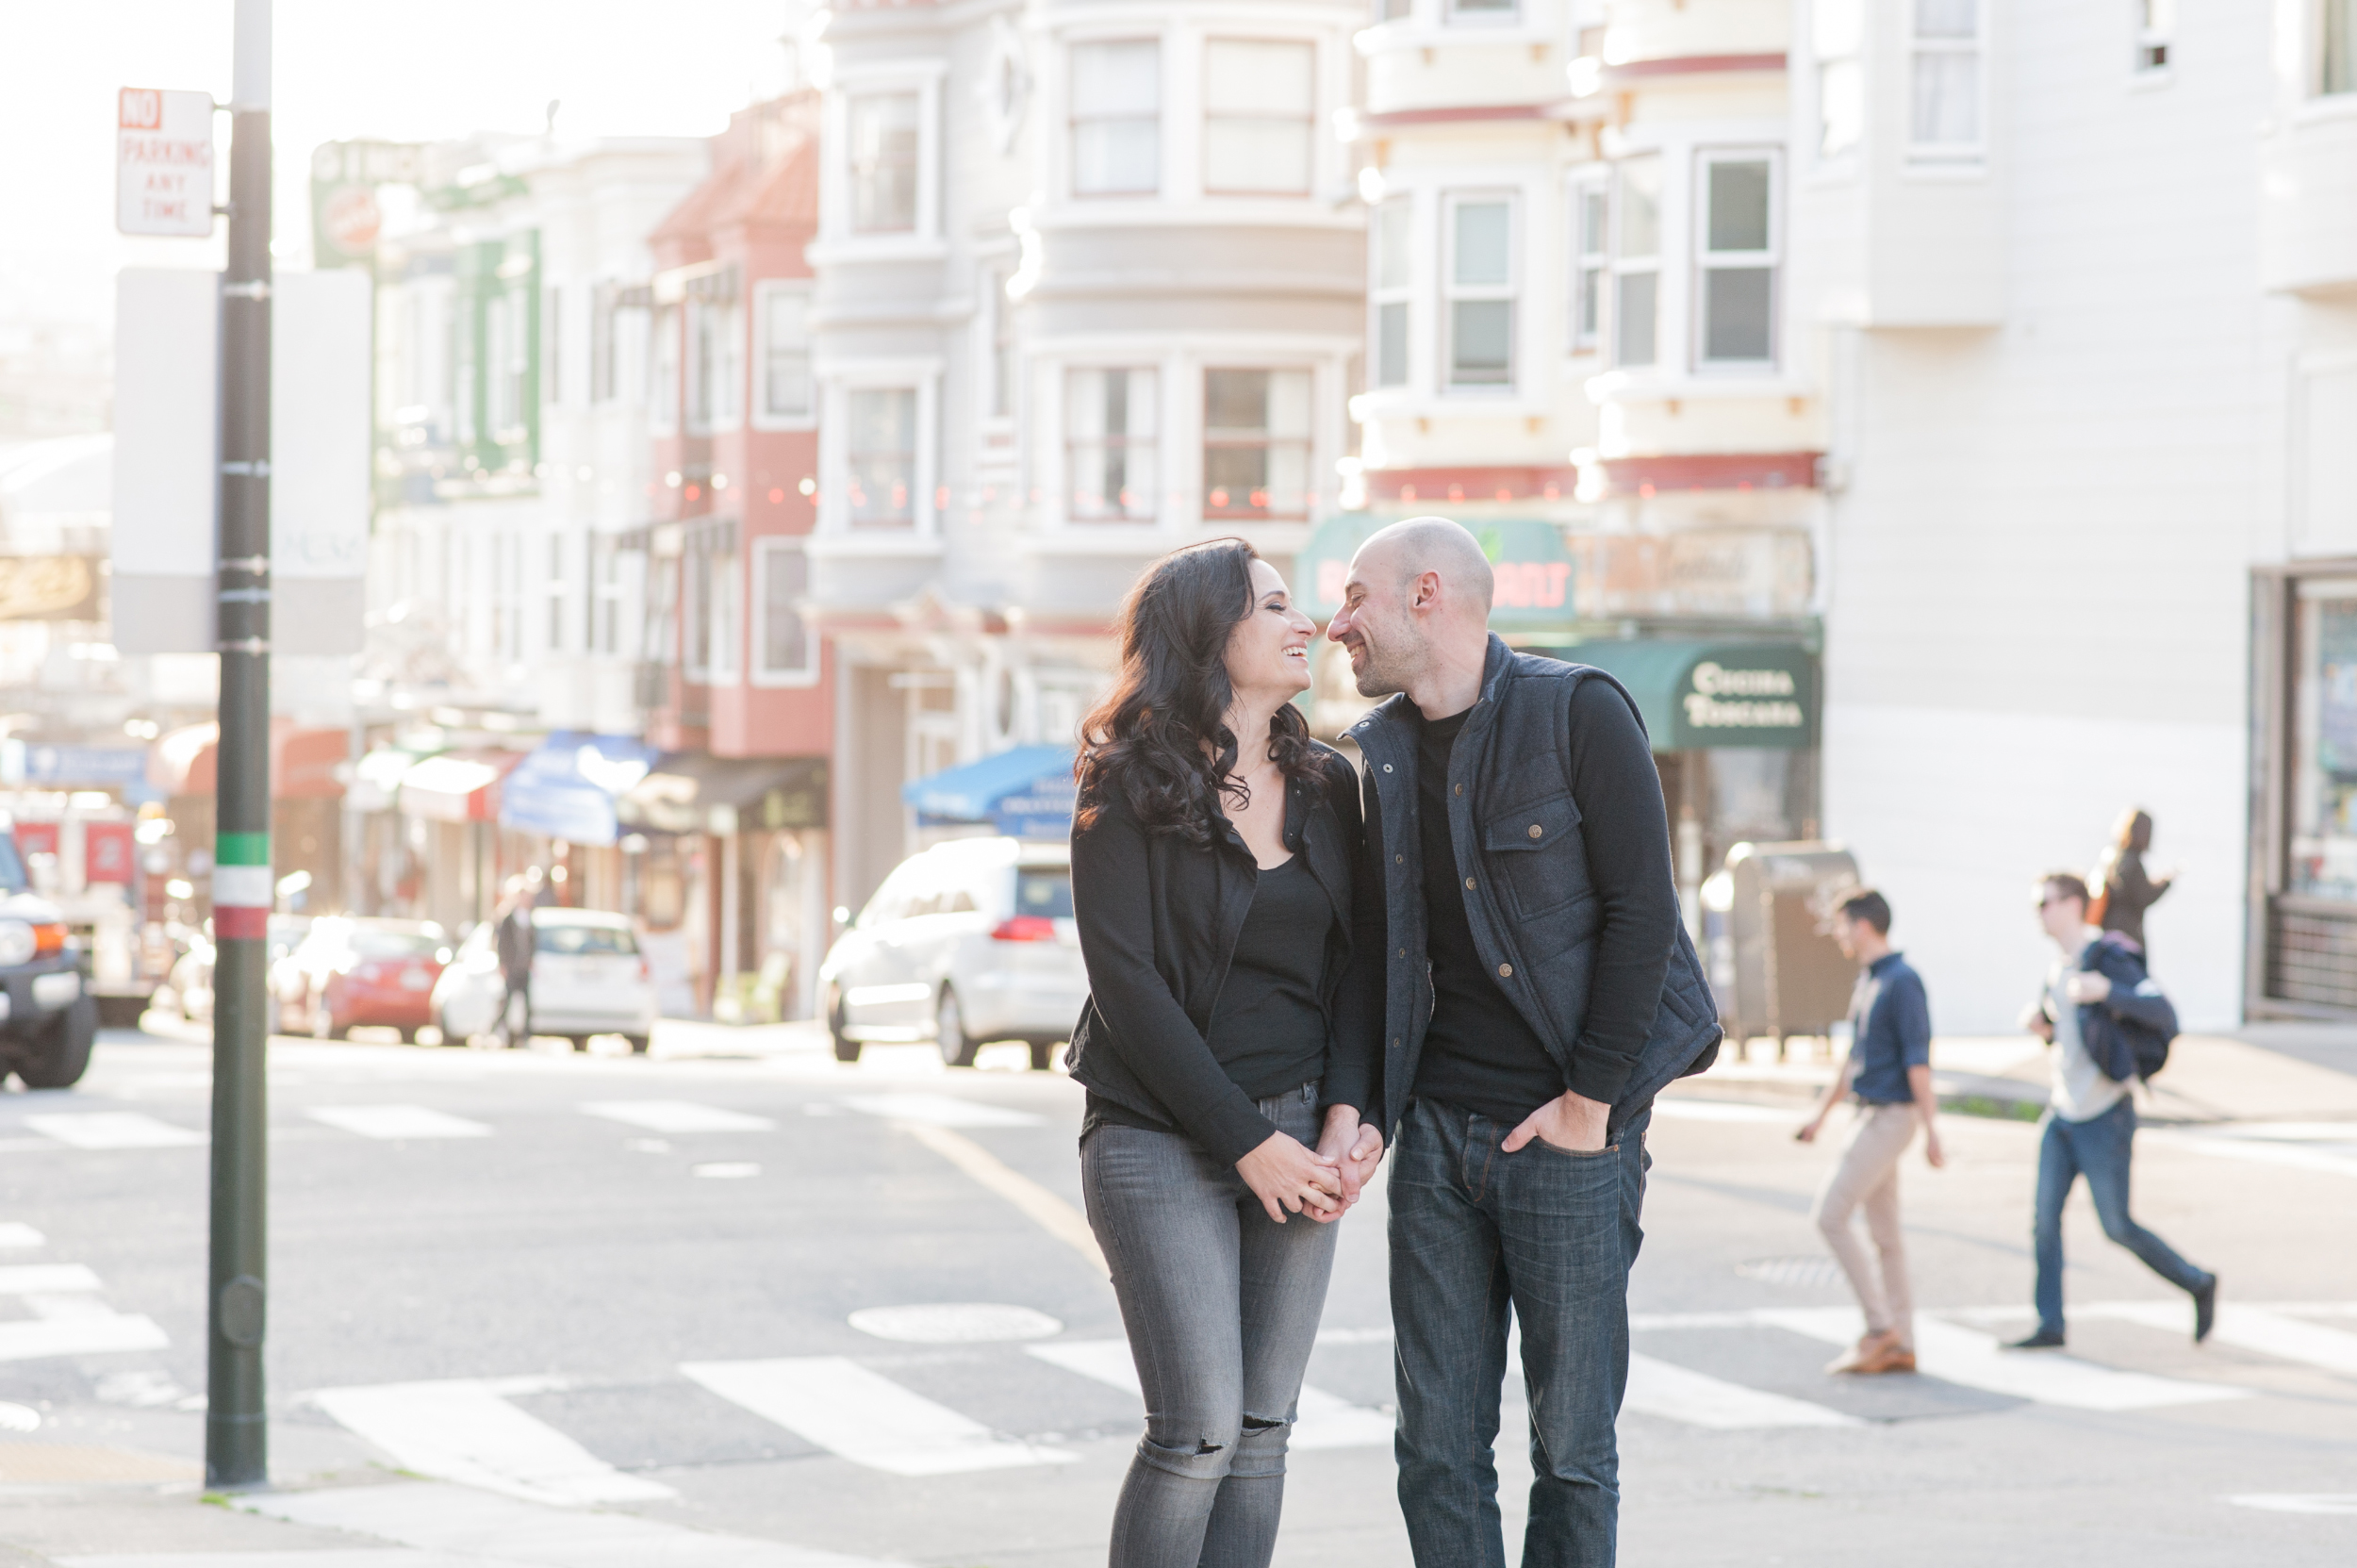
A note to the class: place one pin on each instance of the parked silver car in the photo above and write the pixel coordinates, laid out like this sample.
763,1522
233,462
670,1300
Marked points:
969,942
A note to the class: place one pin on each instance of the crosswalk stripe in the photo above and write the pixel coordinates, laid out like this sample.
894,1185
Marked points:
46,1278
2270,1334
865,1417
1975,1359
16,1234
333,1557
1321,1420
111,1130
464,1430
436,1517
676,1115
1679,1393
398,1121
30,1339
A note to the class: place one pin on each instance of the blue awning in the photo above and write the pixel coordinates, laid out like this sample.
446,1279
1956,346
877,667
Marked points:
1025,793
566,788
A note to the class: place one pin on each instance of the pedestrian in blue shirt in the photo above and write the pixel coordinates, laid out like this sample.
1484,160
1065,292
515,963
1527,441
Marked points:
1888,1070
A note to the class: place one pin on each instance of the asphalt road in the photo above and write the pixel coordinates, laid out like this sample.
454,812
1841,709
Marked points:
526,1300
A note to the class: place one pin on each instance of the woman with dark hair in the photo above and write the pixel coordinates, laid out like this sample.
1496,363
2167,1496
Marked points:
1227,1043
2123,890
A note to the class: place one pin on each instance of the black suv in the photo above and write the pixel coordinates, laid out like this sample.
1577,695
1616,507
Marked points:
47,1016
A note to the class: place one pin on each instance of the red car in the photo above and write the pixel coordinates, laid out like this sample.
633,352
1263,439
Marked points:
375,971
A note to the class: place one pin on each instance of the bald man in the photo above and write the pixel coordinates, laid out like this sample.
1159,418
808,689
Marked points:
1540,991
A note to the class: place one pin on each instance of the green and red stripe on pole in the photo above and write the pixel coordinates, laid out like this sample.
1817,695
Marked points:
243,890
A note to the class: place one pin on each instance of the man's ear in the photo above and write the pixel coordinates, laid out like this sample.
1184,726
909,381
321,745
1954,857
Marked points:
1427,591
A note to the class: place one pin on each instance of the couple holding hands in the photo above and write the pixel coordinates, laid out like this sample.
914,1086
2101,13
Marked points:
1467,956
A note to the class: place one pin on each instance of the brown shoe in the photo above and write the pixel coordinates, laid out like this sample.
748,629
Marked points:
1870,1352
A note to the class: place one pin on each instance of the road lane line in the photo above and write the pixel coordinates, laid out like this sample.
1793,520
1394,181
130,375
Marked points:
939,1110
389,1122
2299,1502
1966,1356
866,1417
1321,1420
2336,1159
32,1339
485,1530
463,1430
46,1278
333,1557
112,1129
2245,1328
1050,1213
1680,1394
676,1115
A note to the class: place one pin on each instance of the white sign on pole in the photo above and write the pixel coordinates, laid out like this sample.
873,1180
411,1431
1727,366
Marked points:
163,163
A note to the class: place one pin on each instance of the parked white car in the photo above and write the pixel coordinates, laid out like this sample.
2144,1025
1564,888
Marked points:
970,942
587,978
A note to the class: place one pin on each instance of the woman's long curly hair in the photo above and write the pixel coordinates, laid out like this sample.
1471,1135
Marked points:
1160,737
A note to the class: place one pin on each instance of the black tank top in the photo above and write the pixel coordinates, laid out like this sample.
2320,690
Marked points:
1268,1027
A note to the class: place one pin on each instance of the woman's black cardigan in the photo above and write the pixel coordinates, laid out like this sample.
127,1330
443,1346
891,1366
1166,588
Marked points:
1159,920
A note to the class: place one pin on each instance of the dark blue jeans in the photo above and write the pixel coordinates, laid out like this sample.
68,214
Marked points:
1550,1235
2099,1148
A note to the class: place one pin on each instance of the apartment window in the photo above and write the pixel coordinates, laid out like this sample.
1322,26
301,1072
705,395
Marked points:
1479,287
1945,119
552,347
1736,262
1636,262
662,365
884,156
1117,118
727,600
1001,346
2336,47
788,649
1256,443
1394,281
1111,420
557,593
1484,10
465,346
881,441
1591,203
502,330
1837,36
785,386
1260,100
716,370
2156,29
603,380
607,635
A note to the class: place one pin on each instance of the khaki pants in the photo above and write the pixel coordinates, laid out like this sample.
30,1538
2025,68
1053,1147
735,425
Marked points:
1868,1178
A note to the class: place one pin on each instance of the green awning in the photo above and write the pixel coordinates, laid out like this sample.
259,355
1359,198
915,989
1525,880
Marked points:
1698,695
1535,573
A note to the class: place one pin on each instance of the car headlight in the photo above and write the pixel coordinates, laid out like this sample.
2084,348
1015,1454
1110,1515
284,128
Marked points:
17,943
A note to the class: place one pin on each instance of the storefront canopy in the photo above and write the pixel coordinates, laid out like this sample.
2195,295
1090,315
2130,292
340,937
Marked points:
376,778
457,786
1025,793
697,792
1535,574
303,762
1698,695
566,788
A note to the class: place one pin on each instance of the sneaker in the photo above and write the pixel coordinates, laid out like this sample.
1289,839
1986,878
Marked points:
2205,1310
2045,1339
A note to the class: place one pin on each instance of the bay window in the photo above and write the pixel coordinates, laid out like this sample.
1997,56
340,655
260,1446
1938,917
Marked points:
1394,282
1735,273
884,133
716,363
786,383
1112,425
1636,262
1256,443
1944,122
881,445
786,647
1117,118
663,369
1837,37
1478,284
1259,102
1591,203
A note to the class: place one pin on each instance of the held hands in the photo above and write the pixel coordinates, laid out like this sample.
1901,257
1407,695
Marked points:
1286,1177
2086,986
1355,1146
1569,1122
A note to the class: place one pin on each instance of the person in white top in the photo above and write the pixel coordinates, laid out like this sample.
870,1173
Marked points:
2091,1124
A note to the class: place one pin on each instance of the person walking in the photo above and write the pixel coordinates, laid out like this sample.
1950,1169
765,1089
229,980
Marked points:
1539,989
1890,1071
2123,891
517,941
1226,1045
2091,1124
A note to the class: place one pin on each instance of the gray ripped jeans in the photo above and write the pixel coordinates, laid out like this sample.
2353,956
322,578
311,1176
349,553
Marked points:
1221,1307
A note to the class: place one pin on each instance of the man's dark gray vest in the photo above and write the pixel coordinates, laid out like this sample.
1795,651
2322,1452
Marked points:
1534,912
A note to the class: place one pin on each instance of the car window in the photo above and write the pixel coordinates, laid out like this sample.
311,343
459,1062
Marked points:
1044,890
12,877
572,938
958,902
898,898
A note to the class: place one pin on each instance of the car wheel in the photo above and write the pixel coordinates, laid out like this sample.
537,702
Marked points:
581,1042
845,1049
1044,1055
408,1034
949,1031
324,1024
62,1051
638,1043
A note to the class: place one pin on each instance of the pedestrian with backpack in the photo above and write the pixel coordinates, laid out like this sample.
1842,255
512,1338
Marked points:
2109,1025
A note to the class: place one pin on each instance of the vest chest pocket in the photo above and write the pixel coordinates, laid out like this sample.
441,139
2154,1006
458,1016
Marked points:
1534,853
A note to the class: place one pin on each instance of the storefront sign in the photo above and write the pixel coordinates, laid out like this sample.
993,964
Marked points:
1697,696
1534,576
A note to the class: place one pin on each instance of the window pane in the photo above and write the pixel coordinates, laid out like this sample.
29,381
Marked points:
883,162
1391,333
882,441
1484,237
1289,403
1590,307
1393,223
1483,7
1236,401
1112,419
1633,318
1257,155
1947,18
1123,78
1641,207
2338,72
1118,157
785,360
1258,76
1591,222
1947,99
1739,207
1840,106
784,641
1481,342
1738,310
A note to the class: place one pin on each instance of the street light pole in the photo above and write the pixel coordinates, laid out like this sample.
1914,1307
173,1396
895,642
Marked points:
237,1437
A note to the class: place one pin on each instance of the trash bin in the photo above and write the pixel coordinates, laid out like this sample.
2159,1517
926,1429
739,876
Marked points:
1773,964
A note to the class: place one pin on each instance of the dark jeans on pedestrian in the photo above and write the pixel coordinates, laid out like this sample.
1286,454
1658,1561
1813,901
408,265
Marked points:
1221,1307
1551,1235
2100,1147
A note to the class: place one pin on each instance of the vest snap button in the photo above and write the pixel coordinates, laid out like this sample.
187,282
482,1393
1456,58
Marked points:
1469,882
1506,971
1460,789
1535,830
1387,767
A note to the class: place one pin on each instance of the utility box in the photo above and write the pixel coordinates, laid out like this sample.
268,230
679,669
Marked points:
1774,961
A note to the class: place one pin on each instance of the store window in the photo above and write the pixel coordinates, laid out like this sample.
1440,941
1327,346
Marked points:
1636,262
1735,267
1256,444
1394,282
2323,841
1111,422
1944,122
1479,286
884,132
880,443
788,649
1259,101
1117,118
1836,37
